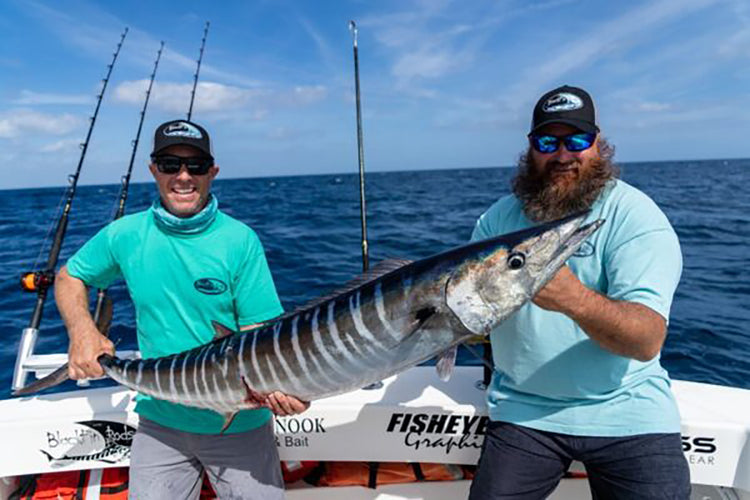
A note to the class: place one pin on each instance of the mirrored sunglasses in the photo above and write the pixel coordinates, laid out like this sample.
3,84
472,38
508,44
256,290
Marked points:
574,143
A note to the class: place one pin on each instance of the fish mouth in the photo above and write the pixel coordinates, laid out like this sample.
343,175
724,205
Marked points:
572,243
570,235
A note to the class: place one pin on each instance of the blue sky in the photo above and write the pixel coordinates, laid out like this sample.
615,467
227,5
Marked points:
445,84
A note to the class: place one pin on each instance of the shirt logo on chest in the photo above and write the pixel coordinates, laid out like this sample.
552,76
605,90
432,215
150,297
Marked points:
210,286
585,250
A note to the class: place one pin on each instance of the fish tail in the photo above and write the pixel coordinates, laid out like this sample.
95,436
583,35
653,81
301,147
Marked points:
57,377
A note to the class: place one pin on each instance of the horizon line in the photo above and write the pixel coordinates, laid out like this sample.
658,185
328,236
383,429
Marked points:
477,167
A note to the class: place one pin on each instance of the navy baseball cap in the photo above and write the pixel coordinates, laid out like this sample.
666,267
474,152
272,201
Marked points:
181,132
569,105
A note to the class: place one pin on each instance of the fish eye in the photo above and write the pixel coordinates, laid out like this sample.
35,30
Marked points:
516,260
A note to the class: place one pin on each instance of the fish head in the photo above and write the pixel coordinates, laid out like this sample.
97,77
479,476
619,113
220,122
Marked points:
497,276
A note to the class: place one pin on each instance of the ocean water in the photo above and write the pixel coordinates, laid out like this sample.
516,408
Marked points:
310,228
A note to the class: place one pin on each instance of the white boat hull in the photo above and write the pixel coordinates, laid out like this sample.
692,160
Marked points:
414,417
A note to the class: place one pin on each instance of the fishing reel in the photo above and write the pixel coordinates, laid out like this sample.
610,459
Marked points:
35,281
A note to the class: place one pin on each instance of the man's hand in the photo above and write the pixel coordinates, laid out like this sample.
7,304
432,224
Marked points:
626,328
284,405
562,293
85,347
86,343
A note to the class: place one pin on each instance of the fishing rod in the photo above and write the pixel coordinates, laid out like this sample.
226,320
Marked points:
197,71
485,357
39,282
103,310
361,158
101,296
360,153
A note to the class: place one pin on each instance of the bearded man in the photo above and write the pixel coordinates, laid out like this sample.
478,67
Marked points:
577,373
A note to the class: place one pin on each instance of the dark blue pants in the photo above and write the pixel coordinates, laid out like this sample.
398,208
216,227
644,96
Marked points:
522,463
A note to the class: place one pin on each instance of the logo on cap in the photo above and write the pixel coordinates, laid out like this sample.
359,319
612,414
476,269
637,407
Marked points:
563,101
182,129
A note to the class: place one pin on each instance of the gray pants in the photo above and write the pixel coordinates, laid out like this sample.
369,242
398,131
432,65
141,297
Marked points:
167,463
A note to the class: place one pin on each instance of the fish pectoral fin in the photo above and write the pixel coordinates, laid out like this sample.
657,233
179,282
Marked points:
253,398
228,418
221,331
446,360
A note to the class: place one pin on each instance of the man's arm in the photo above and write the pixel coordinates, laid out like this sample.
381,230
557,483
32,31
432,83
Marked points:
86,342
625,328
281,404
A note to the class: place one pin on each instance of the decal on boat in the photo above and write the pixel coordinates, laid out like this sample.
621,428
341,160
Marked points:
440,431
699,450
293,432
91,440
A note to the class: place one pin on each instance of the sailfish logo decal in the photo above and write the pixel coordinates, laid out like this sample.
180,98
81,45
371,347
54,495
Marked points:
116,436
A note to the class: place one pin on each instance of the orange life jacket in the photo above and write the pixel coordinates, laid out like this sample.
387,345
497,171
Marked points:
74,485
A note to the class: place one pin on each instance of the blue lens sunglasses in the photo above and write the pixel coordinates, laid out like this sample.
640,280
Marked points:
575,143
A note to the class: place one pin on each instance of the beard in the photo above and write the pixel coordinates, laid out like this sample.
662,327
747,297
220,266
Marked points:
545,198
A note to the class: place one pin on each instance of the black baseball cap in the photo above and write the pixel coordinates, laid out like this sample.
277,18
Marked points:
569,105
181,132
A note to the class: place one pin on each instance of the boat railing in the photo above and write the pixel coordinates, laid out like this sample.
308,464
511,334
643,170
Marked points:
41,365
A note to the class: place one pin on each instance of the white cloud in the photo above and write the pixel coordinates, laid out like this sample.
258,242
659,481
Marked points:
133,91
20,121
280,134
175,97
432,39
63,145
738,44
653,106
425,63
592,46
306,95
329,57
217,98
30,98
698,117
92,30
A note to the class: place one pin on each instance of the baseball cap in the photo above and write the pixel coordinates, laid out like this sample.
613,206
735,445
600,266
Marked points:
569,105
181,132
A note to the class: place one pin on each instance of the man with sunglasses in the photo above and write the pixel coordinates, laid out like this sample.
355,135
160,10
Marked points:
577,373
185,264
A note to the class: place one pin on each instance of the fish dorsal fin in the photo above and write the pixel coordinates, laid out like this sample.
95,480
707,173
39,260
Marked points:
446,360
220,330
380,269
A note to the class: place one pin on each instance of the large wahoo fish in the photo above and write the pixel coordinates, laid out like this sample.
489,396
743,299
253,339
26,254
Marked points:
396,316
